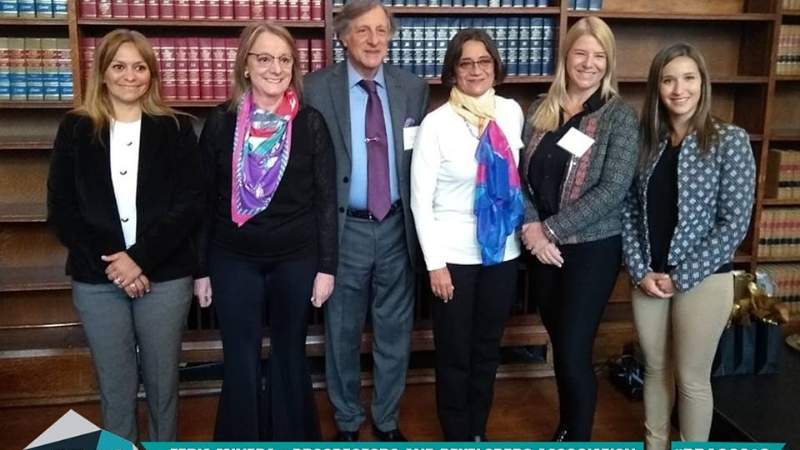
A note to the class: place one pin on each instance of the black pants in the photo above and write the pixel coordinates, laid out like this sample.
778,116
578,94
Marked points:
280,406
467,332
571,302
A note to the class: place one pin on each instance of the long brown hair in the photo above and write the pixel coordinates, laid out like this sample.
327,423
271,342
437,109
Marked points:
655,124
241,84
97,104
546,116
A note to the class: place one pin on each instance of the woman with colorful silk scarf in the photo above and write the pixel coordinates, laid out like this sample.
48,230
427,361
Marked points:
467,204
268,242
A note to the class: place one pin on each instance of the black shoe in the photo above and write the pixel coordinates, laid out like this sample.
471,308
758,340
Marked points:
561,435
388,436
346,436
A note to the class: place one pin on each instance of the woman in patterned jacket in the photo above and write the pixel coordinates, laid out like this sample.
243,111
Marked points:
577,165
687,211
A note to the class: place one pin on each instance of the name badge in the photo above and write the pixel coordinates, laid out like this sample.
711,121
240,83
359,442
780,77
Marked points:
409,135
575,142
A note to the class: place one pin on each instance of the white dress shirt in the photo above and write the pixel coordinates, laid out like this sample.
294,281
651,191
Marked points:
124,157
443,173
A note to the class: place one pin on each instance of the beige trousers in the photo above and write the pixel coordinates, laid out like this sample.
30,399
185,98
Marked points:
679,337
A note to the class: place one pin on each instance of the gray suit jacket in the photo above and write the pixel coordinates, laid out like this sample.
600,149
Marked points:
326,90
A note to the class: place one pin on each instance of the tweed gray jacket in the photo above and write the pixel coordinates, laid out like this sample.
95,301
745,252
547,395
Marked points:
594,185
715,200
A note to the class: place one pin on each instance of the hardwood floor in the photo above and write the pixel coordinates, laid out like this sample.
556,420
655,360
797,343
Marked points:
524,409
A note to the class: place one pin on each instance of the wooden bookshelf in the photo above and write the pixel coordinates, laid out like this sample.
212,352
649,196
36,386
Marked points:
23,212
198,23
54,22
475,11
33,144
614,16
33,104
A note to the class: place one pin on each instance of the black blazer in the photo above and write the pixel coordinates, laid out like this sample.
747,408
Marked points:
83,210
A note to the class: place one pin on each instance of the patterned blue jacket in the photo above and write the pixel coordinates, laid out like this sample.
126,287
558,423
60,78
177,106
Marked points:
715,200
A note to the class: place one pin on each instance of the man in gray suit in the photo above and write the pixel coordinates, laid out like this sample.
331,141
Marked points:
372,110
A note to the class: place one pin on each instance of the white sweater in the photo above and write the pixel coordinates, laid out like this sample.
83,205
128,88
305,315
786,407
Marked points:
443,172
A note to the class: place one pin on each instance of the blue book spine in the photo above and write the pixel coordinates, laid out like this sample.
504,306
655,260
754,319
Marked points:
524,56
501,38
44,8
542,3
572,4
60,8
64,69
512,63
548,34
488,25
419,45
581,5
33,69
407,45
595,5
16,68
442,39
9,8
458,3
393,55
489,3
529,3
430,47
5,70
518,3
338,50
27,8
536,45
467,3
446,3
507,3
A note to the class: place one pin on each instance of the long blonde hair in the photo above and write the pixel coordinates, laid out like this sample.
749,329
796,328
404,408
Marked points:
547,115
241,84
97,104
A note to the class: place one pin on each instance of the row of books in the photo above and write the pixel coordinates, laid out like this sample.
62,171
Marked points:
783,174
585,5
310,10
35,69
201,68
788,50
791,5
526,44
459,3
779,232
786,278
31,9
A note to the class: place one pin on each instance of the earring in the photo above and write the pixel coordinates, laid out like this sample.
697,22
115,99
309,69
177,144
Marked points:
247,74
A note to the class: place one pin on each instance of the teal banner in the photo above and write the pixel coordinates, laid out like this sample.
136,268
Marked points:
393,446
726,446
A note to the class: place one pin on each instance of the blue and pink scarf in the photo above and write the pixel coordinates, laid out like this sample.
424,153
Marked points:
498,208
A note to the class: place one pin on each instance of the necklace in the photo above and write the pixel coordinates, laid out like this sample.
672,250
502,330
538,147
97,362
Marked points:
469,128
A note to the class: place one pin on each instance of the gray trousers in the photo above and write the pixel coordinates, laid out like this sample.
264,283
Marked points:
374,275
115,326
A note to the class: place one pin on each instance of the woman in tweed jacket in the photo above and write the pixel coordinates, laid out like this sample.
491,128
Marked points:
688,210
574,209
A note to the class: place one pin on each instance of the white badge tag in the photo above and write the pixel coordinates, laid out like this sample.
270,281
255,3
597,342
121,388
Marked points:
575,142
409,135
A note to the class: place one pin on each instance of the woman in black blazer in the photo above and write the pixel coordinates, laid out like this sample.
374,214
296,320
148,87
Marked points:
124,196
269,244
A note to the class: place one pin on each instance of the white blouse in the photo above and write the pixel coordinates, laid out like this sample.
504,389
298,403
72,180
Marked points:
124,157
443,172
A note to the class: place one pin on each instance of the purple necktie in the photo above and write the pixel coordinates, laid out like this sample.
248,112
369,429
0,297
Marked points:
378,198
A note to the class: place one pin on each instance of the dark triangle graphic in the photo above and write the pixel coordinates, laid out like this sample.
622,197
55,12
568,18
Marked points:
86,441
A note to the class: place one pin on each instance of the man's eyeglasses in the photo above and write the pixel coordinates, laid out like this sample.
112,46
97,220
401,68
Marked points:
265,60
468,64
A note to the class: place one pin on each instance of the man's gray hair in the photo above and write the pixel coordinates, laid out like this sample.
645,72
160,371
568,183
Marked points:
357,8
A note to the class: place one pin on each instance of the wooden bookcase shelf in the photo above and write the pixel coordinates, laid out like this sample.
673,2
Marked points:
33,144
32,104
781,202
34,22
193,23
23,212
716,80
614,16
476,11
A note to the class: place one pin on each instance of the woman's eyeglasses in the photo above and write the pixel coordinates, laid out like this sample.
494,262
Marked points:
265,60
468,64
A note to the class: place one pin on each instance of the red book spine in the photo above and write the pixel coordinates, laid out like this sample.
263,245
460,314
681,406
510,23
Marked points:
305,9
166,9
294,10
168,81
182,10
317,54
87,56
138,9
241,9
151,9
303,54
181,69
226,9
193,57
257,9
283,9
271,9
88,9
206,68
103,9
197,9
231,48
316,10
220,77
120,9
212,9
155,42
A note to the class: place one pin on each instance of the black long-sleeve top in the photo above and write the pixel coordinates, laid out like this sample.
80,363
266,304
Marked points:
299,222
